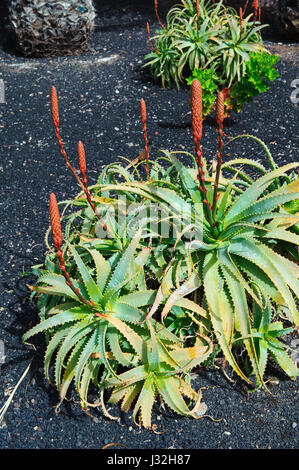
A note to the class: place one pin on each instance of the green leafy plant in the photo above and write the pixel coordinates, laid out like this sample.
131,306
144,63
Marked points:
233,250
260,71
202,34
132,312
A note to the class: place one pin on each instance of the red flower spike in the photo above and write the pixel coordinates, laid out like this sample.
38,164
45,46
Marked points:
143,110
55,222
255,7
81,158
57,237
220,107
196,109
54,106
143,119
241,20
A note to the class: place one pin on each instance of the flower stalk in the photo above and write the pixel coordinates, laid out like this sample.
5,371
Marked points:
219,118
57,239
55,117
144,128
197,14
149,39
255,7
82,166
157,15
196,113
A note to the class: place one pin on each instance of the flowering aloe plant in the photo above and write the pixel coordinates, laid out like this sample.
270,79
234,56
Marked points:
93,297
233,247
203,34
113,302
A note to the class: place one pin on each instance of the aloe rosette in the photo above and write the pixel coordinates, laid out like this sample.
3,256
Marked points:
114,309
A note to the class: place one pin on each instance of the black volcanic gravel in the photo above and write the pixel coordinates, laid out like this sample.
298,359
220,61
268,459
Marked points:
99,104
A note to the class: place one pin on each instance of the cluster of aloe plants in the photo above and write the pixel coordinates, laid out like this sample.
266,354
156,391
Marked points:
203,38
153,276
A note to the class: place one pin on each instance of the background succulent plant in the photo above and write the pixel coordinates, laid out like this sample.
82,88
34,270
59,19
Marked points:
203,34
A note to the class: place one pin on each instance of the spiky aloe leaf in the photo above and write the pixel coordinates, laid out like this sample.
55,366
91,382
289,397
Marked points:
119,273
128,313
102,268
282,358
113,340
169,388
145,402
186,288
242,318
266,259
138,298
88,349
52,346
90,369
187,181
221,310
58,285
253,192
56,320
94,292
190,357
80,330
227,261
134,339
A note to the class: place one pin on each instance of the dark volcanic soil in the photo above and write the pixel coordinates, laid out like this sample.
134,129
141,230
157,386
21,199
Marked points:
99,95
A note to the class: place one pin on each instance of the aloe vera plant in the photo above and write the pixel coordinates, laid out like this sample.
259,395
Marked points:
99,322
233,248
132,312
200,34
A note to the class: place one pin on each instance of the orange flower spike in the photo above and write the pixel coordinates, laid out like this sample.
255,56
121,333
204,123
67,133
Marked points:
255,7
143,111
220,107
54,106
55,222
82,160
196,110
143,120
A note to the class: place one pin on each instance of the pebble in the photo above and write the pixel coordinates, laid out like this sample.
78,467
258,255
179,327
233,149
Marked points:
294,425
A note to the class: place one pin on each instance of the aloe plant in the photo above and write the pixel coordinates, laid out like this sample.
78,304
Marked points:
98,322
201,34
233,248
132,312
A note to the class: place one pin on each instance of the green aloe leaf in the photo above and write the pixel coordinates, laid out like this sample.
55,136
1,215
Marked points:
221,310
253,192
94,292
